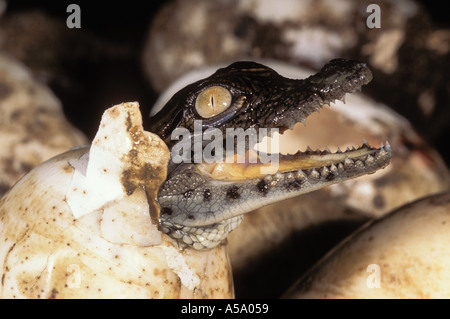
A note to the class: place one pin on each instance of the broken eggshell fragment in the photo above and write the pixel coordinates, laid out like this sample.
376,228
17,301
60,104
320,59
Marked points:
82,225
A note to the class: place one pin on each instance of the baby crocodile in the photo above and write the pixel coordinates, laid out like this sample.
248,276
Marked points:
202,202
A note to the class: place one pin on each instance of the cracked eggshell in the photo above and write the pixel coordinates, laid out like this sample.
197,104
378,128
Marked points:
82,225
403,255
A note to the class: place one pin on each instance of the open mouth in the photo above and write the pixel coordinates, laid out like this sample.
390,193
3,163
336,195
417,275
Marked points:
201,202
210,198
318,163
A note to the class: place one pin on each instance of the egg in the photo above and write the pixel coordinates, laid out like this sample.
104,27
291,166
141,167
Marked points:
33,127
402,255
84,225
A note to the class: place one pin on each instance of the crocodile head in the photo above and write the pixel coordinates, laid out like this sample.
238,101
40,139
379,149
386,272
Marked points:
212,126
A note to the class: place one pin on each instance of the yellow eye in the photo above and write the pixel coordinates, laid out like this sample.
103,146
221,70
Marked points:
212,101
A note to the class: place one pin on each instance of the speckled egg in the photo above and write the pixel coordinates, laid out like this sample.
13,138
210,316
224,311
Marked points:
84,225
403,255
33,127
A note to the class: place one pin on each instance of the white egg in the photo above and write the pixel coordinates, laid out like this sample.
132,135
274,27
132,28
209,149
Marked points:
403,255
84,225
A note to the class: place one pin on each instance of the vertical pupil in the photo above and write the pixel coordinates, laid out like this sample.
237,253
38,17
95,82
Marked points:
212,101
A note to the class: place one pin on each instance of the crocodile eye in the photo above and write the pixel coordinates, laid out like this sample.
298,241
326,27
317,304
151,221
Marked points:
212,101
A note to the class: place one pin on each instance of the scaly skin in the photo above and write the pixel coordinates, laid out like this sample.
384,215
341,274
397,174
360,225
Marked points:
199,208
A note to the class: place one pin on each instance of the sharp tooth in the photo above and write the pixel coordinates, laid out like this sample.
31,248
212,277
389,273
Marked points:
325,171
365,142
333,169
347,150
290,177
353,148
309,150
338,150
314,174
348,163
340,167
370,160
381,153
300,174
359,164
327,150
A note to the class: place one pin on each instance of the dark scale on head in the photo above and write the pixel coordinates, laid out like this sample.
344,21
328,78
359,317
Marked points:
207,195
330,176
166,211
263,187
232,193
188,194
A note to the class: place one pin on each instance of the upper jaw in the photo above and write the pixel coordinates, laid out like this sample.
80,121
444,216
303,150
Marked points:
331,83
268,99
